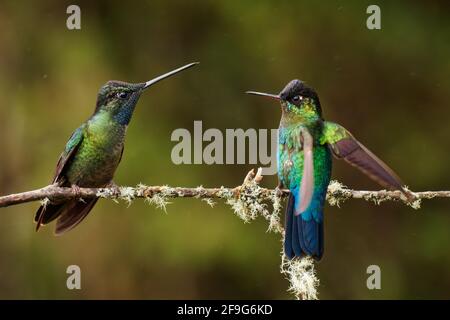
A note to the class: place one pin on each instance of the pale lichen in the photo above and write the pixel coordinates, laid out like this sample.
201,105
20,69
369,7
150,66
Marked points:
127,194
210,202
416,203
239,209
45,202
200,191
107,193
248,201
248,204
274,217
335,194
225,193
251,201
159,200
302,278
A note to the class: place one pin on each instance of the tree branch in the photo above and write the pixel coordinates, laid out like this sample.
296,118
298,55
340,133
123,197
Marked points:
248,201
336,194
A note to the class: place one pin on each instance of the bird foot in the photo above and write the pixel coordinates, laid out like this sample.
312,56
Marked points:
76,191
115,189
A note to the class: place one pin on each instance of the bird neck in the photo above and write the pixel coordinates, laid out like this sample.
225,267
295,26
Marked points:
104,123
288,133
305,115
124,114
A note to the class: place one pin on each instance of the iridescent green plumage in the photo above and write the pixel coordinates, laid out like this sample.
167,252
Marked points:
94,151
304,231
99,151
305,145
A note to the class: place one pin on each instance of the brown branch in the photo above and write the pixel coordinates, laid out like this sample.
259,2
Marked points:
55,193
248,201
336,194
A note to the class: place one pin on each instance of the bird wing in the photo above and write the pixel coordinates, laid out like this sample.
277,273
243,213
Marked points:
71,147
49,212
307,185
345,146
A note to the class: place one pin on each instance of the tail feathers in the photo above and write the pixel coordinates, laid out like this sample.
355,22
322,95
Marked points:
288,229
74,215
302,237
70,214
47,213
311,237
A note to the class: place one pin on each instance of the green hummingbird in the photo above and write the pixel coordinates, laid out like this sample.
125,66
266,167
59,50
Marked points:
94,151
305,145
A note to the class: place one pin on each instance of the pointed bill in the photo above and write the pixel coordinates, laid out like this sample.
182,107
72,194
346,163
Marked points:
267,95
168,74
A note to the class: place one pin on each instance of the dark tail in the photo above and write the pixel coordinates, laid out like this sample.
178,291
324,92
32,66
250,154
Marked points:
69,214
303,237
47,213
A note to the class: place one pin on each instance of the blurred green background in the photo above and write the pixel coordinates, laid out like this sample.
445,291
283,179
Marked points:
389,87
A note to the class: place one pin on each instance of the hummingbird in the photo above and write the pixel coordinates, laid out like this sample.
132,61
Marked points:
94,151
306,143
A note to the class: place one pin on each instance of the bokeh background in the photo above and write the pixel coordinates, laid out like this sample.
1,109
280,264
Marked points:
389,87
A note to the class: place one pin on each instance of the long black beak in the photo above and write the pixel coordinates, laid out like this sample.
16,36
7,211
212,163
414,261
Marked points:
268,95
168,74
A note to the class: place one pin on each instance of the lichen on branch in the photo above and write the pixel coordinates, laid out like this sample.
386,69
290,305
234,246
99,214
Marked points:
248,201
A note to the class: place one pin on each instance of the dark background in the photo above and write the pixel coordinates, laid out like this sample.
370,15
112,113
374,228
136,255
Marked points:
389,87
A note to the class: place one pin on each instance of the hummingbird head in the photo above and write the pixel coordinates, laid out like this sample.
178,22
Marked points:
299,103
119,98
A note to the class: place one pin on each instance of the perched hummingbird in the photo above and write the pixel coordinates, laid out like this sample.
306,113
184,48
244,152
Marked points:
94,151
305,144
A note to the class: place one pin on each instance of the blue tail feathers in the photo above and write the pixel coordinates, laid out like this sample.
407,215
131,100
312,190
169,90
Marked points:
304,233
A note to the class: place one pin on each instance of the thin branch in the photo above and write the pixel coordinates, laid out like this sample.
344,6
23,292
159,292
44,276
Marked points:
337,193
55,193
248,201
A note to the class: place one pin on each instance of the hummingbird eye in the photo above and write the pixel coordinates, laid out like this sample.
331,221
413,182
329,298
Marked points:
122,95
296,99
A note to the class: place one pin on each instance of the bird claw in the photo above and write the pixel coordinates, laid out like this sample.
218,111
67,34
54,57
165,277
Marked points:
77,192
115,189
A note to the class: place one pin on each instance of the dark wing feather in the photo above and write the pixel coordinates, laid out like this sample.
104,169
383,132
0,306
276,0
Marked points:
49,212
345,146
71,147
359,156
